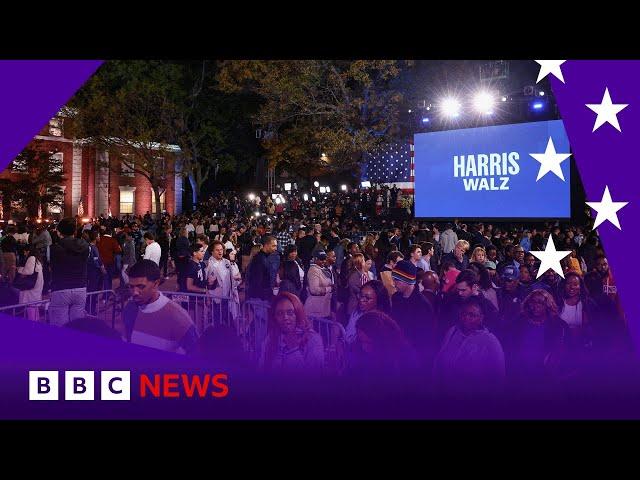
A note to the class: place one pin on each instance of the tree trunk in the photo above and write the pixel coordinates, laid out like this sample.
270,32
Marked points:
195,189
156,198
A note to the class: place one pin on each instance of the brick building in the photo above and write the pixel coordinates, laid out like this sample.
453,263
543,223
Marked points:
97,179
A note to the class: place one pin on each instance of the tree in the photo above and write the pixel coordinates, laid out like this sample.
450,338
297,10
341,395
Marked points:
128,108
214,130
342,109
137,109
39,179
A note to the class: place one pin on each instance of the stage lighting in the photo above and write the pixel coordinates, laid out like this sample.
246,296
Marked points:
483,102
504,99
537,105
365,184
425,120
316,184
323,189
450,107
541,93
328,189
251,197
305,197
343,188
287,187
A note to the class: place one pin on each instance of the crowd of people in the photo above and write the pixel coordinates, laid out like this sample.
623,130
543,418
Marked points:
458,305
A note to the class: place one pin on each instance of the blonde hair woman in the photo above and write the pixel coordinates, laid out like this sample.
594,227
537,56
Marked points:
479,255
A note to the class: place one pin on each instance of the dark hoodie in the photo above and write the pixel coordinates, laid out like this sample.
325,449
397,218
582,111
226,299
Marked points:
69,264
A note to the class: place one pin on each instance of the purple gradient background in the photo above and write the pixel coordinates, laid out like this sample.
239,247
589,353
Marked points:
34,91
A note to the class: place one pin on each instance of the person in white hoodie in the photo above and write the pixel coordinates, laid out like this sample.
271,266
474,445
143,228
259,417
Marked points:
448,239
471,359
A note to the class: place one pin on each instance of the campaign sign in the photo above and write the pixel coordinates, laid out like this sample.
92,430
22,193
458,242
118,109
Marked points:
506,171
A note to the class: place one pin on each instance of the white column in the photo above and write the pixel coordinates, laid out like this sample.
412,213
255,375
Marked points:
102,183
76,178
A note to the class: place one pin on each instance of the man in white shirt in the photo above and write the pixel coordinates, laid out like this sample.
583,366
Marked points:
220,269
190,229
153,250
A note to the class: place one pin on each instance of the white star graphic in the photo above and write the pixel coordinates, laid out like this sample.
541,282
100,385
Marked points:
607,209
550,161
550,259
550,67
607,111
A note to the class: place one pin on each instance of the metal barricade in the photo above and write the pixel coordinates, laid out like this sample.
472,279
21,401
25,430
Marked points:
206,310
334,340
254,322
104,305
101,304
36,311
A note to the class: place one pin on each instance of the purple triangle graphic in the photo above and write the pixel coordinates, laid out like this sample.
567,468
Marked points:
32,93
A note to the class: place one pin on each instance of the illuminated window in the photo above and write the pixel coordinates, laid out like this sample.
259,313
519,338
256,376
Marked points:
56,162
126,201
55,127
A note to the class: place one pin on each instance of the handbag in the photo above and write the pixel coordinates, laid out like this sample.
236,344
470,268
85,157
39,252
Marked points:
25,282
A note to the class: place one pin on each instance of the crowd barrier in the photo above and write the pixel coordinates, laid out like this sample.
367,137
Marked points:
104,305
249,321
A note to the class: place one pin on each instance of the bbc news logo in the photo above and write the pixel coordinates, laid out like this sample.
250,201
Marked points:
116,385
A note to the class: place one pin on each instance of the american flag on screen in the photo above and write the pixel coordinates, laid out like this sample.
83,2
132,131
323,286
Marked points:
391,164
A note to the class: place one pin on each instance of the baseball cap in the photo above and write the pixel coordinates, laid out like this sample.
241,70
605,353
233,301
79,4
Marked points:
490,264
320,255
510,273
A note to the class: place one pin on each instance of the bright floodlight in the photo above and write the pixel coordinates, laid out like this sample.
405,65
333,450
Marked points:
343,188
287,187
450,107
504,99
483,102
252,197
316,184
